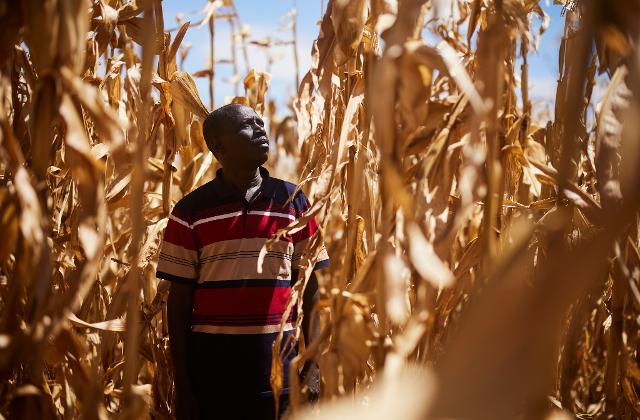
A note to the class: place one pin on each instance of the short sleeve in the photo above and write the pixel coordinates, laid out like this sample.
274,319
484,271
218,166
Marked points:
178,260
301,237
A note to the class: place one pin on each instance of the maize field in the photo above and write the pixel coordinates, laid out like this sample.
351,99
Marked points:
485,258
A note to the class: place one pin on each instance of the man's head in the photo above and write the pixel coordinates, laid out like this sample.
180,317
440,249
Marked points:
236,136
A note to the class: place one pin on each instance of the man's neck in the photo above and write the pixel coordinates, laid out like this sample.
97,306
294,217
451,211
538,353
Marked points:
243,179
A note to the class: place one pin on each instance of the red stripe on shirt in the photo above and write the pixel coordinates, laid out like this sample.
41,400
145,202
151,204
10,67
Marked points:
240,301
179,234
238,227
234,207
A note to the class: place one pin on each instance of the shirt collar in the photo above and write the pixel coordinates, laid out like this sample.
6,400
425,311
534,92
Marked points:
226,190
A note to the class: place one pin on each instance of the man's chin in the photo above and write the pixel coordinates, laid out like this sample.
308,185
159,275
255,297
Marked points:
258,161
247,161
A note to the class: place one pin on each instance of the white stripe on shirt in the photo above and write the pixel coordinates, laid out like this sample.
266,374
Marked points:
182,222
218,217
273,214
245,329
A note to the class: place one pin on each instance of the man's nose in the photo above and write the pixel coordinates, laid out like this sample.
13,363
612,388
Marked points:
258,128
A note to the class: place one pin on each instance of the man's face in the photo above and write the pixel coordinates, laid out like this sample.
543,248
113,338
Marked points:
244,142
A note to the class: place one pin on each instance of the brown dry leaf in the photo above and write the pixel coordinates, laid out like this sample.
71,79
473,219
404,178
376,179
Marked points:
397,276
348,18
408,392
183,90
256,84
469,227
612,110
425,260
30,211
110,325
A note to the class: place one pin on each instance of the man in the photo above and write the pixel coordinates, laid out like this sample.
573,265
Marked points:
223,315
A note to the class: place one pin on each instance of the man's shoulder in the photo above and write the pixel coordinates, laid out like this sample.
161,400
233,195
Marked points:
282,186
285,189
204,195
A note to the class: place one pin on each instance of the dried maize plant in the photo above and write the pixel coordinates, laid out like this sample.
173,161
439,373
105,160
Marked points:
494,254
497,250
227,11
100,136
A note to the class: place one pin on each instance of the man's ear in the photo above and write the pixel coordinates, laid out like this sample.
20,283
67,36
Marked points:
216,148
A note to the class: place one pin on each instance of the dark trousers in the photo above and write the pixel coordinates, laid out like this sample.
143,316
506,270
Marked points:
230,378
257,408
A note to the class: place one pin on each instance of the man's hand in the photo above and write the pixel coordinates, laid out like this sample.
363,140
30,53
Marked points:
311,320
310,374
310,380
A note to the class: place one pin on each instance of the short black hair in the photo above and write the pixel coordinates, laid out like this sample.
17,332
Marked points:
216,123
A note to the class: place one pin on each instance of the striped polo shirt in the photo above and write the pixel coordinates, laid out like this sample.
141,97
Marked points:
213,240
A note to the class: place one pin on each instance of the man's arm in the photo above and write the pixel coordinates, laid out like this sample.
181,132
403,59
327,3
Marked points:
310,376
179,307
309,300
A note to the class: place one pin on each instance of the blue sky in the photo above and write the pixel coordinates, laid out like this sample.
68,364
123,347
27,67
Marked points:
265,17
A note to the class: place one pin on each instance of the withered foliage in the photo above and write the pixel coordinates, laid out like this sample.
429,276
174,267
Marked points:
491,251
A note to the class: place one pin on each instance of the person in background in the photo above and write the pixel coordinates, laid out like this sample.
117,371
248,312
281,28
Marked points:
223,314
